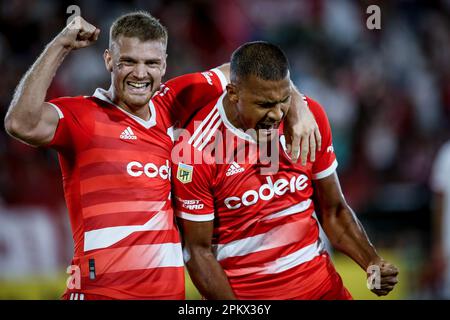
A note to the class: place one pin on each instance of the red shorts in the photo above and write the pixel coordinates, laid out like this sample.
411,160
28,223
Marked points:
332,288
77,295
316,279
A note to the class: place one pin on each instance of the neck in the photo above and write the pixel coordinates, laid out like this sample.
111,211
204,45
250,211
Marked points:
142,112
231,112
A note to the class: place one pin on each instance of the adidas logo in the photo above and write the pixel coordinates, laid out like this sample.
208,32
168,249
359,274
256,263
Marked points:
128,134
233,169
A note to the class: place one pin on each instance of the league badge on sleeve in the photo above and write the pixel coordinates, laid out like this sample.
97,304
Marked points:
184,173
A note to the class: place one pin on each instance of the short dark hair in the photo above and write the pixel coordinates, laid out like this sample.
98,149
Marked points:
261,59
139,24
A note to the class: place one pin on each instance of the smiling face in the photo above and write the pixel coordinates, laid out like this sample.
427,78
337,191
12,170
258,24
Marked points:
259,104
137,68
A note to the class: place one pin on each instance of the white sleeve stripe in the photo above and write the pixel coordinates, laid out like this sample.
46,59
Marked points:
223,79
325,173
195,217
60,114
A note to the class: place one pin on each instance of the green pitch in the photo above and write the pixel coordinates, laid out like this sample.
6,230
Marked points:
38,288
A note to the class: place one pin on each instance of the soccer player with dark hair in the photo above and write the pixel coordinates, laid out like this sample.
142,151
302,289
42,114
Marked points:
253,236
114,151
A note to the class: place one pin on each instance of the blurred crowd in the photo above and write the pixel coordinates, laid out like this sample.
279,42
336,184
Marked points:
386,93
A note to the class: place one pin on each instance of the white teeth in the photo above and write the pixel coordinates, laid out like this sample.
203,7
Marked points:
137,85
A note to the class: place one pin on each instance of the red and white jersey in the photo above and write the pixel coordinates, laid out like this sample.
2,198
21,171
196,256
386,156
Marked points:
116,172
264,229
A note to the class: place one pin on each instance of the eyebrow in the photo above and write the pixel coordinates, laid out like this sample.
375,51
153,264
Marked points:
274,102
127,58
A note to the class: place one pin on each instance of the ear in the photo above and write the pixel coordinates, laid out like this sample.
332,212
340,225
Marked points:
108,60
233,92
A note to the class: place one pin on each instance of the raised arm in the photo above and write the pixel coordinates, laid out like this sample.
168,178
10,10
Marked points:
29,118
347,234
205,271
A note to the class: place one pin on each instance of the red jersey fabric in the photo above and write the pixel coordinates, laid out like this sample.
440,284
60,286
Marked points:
116,177
265,235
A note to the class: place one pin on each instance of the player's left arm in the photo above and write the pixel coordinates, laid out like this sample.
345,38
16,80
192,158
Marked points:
301,130
347,234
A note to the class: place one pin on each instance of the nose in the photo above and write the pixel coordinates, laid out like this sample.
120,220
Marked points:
140,71
275,113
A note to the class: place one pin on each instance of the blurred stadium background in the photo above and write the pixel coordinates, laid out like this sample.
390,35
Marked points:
386,92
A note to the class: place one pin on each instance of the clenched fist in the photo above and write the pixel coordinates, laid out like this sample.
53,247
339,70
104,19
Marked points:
78,34
382,277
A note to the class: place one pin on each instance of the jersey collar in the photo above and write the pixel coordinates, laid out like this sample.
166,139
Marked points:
238,132
101,94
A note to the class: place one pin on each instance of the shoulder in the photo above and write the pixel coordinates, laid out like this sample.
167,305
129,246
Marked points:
206,119
69,101
315,107
319,113
212,77
78,104
82,108
198,138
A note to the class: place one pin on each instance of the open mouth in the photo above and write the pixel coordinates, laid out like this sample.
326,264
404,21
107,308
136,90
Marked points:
267,131
138,87
265,128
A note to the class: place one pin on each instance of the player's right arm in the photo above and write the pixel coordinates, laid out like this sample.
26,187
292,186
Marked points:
29,118
205,271
194,208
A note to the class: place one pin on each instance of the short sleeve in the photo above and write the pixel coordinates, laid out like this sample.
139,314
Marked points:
74,119
193,197
441,169
326,162
189,93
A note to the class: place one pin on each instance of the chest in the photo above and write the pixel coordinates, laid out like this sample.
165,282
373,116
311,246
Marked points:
118,145
246,187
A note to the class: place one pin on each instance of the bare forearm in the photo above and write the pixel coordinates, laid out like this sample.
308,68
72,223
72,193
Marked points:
347,235
27,104
209,277
301,130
